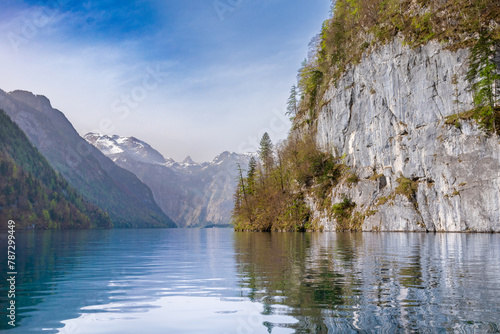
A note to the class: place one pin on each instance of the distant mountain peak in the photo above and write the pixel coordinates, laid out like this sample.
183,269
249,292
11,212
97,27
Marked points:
191,193
34,101
131,147
221,157
188,161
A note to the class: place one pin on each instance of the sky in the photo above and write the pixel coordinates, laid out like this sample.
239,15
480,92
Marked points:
189,77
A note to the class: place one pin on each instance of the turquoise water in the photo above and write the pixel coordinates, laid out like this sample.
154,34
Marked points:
219,281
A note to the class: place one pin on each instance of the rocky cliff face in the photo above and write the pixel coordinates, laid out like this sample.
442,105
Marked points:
386,115
192,194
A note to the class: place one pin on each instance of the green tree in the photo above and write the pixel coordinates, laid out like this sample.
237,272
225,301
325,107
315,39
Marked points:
241,195
484,77
32,218
252,169
46,215
292,103
266,151
310,78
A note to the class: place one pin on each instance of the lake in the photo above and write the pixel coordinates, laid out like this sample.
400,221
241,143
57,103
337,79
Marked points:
219,281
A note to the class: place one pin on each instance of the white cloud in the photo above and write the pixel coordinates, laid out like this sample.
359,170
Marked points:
221,98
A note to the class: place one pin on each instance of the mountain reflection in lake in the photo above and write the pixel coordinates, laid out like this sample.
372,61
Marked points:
218,281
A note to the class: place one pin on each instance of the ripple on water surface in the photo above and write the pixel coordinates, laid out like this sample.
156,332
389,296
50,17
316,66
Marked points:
219,281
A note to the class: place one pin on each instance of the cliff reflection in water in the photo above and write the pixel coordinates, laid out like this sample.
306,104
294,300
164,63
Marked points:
341,282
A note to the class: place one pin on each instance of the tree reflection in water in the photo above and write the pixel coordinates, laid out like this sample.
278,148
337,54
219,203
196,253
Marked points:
373,282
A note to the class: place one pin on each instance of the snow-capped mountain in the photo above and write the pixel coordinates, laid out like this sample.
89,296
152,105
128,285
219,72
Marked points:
117,147
192,194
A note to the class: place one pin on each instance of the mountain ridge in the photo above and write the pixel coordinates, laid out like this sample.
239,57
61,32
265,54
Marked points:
33,194
193,194
128,201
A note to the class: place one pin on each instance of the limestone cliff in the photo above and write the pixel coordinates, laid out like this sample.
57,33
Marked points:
386,117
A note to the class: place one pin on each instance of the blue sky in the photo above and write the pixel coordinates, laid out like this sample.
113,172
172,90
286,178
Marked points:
190,77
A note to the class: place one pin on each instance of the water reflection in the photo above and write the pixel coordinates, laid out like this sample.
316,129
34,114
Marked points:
218,281
351,282
141,281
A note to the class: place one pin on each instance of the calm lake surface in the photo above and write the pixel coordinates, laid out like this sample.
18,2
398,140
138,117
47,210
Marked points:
219,281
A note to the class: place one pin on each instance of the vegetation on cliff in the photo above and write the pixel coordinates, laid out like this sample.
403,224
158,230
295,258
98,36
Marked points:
357,26
484,77
273,194
280,192
33,194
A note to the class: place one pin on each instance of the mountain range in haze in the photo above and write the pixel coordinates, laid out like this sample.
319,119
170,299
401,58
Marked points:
192,194
125,176
127,200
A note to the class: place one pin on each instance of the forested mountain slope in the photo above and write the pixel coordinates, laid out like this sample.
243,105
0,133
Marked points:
128,201
33,194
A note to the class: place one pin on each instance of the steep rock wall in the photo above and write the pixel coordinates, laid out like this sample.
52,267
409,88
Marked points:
386,115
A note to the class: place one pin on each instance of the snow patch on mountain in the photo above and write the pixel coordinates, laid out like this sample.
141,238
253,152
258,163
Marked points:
193,194
130,147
